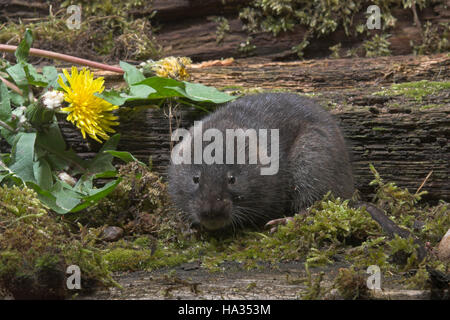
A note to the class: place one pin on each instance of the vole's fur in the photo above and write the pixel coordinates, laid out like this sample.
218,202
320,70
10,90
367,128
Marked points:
313,160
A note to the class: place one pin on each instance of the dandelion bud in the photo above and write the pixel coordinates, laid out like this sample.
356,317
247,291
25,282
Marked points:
38,115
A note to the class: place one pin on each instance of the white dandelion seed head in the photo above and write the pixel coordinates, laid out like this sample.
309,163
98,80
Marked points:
53,99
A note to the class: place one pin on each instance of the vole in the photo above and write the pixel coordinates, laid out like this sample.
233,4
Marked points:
300,155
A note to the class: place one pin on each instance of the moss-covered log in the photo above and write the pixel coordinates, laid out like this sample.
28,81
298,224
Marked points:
187,28
403,144
404,141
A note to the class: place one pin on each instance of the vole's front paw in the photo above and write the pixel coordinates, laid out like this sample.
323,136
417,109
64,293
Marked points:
273,224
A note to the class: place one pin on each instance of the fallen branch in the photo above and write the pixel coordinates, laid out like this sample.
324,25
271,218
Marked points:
63,57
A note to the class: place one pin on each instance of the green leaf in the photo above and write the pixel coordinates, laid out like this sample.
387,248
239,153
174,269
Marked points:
97,195
17,73
113,97
51,75
106,174
103,160
137,92
10,137
43,174
46,197
199,92
141,91
52,141
33,77
23,157
66,198
49,198
23,49
132,74
11,176
17,99
5,158
123,155
164,87
5,104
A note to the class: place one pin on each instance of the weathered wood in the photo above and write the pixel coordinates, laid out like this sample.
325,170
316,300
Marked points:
186,29
326,74
404,143
409,146
175,11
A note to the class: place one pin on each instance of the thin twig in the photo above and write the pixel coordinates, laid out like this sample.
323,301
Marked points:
416,17
11,85
7,127
64,57
424,181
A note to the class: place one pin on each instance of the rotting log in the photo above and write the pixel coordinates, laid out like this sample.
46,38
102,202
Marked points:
403,146
185,28
404,143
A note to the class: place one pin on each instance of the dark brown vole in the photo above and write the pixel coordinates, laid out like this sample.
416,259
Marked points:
312,160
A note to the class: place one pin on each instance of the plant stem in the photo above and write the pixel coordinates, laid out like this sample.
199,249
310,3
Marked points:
6,126
11,85
63,57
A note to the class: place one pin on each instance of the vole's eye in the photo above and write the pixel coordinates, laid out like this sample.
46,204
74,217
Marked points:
196,179
231,179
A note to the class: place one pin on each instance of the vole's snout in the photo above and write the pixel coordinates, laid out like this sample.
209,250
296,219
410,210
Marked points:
216,213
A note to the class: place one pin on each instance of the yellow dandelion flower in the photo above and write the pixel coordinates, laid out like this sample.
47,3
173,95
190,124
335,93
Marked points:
91,114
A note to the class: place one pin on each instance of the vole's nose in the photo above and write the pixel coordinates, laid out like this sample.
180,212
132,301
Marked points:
217,208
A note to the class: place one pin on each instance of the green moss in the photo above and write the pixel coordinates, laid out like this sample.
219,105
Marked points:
20,204
403,252
380,129
335,51
121,259
106,26
9,264
434,39
36,247
378,46
400,203
430,106
314,289
416,90
420,280
330,228
436,221
144,242
232,87
352,285
371,252
246,48
222,28
140,191
47,261
322,18
165,257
